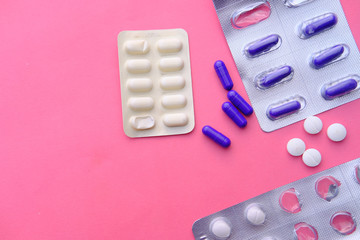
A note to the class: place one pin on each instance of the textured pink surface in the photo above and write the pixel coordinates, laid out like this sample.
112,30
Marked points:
67,169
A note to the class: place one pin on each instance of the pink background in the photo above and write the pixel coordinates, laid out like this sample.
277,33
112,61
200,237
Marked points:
67,169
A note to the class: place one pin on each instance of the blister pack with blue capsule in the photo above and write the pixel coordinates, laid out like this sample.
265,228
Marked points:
325,205
296,58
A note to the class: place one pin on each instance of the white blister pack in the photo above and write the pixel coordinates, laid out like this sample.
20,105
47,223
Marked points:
296,58
325,205
155,79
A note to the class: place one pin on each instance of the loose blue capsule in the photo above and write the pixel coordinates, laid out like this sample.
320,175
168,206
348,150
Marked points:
216,136
276,76
234,114
284,109
320,24
223,75
339,89
328,56
263,45
240,103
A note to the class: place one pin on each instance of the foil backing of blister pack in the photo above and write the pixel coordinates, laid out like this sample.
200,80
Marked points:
293,49
315,211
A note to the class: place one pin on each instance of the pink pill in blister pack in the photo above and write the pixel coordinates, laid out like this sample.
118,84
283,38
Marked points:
322,206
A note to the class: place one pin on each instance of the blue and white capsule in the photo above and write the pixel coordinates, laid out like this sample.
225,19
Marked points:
340,87
234,114
239,102
286,107
274,77
263,46
223,75
216,136
329,56
317,25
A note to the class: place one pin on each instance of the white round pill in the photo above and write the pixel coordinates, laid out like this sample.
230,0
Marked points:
336,132
255,215
313,125
311,157
296,147
220,228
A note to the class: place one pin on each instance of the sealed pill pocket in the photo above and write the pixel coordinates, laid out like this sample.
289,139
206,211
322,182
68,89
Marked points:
322,206
155,79
296,58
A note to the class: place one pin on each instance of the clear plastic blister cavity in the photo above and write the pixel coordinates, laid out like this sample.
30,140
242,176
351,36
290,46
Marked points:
322,206
285,48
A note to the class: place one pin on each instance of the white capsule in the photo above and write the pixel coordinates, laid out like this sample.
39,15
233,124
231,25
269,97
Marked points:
172,82
173,101
139,84
141,103
336,132
142,123
220,228
170,45
136,47
311,157
138,66
296,147
171,64
313,125
255,215
175,119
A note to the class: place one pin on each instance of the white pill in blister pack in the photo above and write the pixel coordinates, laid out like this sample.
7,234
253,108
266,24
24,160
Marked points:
322,206
155,79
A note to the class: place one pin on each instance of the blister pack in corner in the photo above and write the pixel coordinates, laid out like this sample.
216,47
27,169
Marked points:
155,79
296,58
325,205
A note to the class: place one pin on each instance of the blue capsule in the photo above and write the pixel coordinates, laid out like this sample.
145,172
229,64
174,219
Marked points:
239,102
216,136
263,45
274,77
339,89
318,25
284,109
223,75
234,114
328,56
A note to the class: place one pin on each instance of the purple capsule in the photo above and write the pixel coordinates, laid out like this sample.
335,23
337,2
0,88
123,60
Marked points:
216,136
284,109
223,75
234,114
275,76
263,45
239,102
339,89
319,25
328,56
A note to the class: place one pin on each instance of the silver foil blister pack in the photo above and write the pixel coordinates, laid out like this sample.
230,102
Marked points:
296,58
325,205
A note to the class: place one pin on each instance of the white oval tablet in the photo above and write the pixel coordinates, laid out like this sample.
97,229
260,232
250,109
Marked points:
173,101
255,215
141,103
313,125
138,66
171,64
142,123
175,119
172,82
139,84
220,228
296,147
169,45
336,132
136,47
311,157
